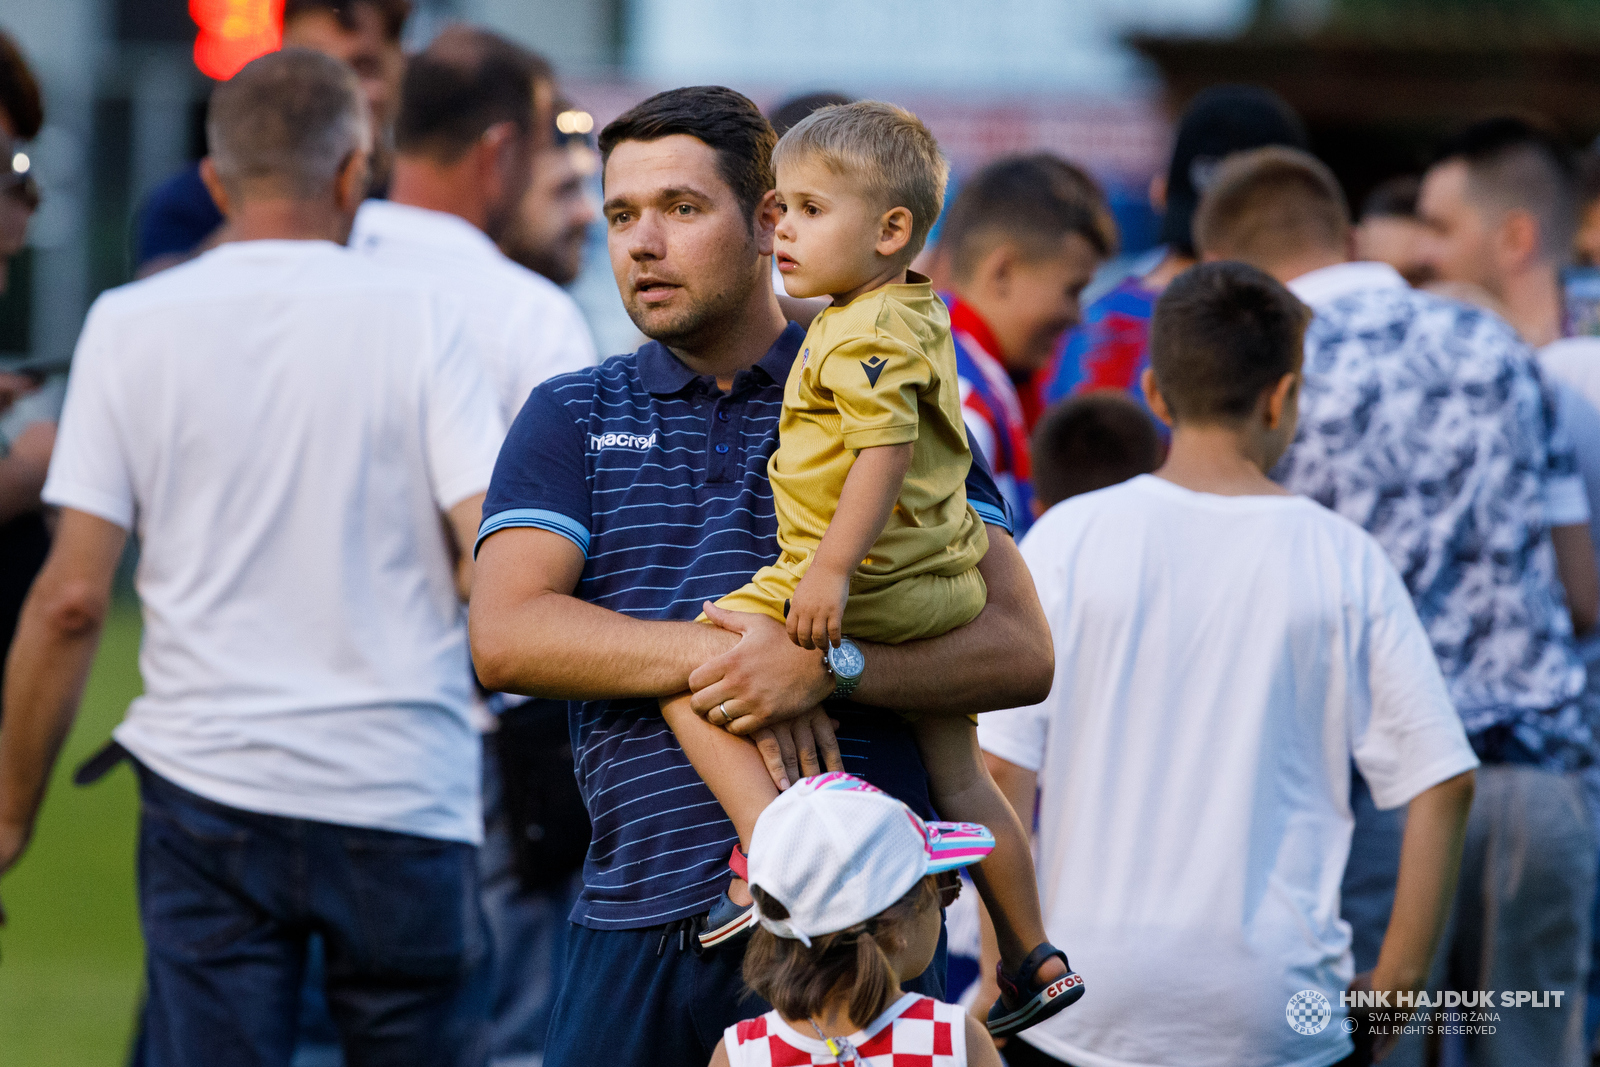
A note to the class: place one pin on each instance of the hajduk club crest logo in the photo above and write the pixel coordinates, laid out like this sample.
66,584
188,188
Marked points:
1309,1012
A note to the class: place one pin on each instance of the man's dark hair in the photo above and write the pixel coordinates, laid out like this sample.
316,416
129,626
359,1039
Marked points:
465,82
393,13
788,114
1089,442
1267,206
725,121
1518,163
1033,201
1222,334
1393,198
19,91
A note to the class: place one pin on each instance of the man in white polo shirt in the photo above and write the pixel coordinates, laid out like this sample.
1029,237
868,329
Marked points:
301,442
474,117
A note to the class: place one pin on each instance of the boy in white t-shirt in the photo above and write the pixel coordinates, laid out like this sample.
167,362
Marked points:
1223,651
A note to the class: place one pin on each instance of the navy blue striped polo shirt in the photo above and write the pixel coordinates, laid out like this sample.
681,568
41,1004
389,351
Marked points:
660,478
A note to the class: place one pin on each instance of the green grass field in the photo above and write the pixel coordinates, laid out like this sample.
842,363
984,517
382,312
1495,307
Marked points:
71,956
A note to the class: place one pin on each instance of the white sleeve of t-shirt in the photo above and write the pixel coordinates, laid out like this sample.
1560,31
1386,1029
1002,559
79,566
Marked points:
464,428
89,468
1019,736
1409,736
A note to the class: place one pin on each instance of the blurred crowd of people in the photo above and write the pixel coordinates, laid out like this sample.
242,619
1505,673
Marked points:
369,835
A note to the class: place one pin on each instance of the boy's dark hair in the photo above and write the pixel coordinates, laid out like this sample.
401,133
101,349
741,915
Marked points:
1519,163
465,82
1222,334
1033,201
1267,206
19,91
1090,442
393,13
1393,198
724,120
801,981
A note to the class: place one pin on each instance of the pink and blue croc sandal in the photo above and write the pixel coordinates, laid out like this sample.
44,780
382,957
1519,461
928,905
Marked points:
1033,1003
729,923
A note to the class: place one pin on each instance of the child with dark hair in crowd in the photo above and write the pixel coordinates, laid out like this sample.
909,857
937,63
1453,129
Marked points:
846,883
1224,650
1090,442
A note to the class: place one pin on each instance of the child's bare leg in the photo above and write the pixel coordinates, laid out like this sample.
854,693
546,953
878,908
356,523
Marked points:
730,766
963,791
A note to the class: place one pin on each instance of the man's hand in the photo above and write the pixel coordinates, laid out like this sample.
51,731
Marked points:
799,748
13,839
763,680
816,611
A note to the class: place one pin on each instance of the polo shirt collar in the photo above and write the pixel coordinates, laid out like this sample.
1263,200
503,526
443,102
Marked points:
385,219
1327,284
663,374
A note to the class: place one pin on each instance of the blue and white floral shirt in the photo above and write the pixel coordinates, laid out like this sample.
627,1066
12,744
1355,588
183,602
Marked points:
1426,422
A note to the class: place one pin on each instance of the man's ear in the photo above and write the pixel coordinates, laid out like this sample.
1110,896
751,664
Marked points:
1518,237
766,222
894,231
1153,397
1278,400
214,186
350,188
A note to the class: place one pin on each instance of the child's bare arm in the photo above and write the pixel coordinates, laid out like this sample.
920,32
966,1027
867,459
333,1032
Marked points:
730,766
980,1046
1430,860
719,1058
816,612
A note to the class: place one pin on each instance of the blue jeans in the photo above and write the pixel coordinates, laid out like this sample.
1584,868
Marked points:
228,900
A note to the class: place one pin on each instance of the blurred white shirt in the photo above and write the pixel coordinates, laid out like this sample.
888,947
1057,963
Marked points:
523,326
281,423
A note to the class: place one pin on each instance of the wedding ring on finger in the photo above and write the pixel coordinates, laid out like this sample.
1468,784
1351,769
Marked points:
722,709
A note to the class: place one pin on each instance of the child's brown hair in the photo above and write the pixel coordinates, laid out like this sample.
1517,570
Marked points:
801,981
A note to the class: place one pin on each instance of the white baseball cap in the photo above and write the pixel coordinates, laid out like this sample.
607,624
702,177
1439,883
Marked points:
835,851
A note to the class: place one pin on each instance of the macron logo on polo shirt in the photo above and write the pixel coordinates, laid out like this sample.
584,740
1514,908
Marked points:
638,442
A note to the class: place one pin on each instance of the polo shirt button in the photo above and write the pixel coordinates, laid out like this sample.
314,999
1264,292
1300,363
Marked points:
722,416
722,450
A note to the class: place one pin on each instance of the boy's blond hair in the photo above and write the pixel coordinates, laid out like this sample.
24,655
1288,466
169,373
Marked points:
887,147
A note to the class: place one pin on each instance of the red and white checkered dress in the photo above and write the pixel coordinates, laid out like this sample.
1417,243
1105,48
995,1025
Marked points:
916,1031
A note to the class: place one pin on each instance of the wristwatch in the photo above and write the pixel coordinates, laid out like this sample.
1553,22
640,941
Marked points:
846,664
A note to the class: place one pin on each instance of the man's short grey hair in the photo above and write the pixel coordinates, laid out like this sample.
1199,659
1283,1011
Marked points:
1515,163
289,121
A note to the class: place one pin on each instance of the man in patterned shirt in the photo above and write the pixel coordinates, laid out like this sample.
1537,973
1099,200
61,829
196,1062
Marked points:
1427,423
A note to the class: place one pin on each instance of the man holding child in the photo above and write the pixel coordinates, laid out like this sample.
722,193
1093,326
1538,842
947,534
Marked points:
629,496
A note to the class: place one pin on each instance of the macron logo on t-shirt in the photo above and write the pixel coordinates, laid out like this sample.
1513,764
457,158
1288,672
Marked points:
638,442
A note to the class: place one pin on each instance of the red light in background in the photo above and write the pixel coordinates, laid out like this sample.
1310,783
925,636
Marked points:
233,32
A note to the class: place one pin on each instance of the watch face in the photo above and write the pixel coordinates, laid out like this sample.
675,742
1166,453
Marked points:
847,660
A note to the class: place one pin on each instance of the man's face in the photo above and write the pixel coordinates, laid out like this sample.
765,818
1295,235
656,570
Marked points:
377,61
682,248
1038,301
1460,245
552,224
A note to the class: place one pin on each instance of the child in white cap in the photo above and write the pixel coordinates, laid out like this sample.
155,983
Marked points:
844,878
